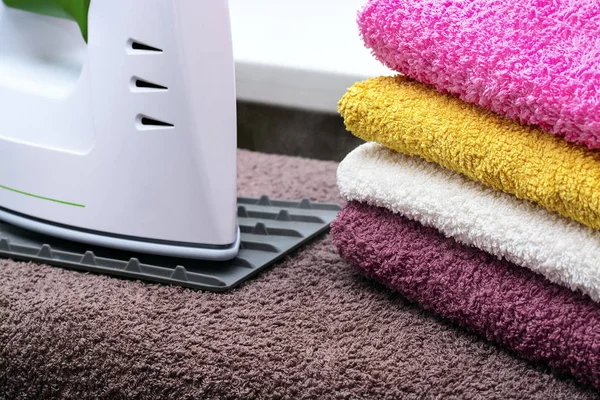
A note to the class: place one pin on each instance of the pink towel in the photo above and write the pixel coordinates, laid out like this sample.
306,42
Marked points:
536,61
505,303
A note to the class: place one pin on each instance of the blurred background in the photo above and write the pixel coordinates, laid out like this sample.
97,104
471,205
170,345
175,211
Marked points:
294,60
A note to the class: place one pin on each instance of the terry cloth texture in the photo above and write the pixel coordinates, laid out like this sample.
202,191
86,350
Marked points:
507,304
414,119
530,236
537,61
309,328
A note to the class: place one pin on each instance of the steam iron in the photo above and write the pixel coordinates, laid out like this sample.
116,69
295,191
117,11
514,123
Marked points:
118,124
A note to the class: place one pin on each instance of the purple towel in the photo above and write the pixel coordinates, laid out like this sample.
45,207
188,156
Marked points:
510,305
537,61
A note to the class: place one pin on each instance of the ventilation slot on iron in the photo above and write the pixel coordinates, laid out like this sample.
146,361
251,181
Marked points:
147,123
141,47
154,122
141,85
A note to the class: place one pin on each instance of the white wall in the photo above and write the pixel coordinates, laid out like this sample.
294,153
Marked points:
299,53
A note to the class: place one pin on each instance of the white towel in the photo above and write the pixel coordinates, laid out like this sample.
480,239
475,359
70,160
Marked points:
562,250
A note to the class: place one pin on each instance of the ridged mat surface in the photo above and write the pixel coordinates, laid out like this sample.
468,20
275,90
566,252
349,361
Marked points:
270,229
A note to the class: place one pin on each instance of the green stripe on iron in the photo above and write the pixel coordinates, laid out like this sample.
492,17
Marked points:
42,197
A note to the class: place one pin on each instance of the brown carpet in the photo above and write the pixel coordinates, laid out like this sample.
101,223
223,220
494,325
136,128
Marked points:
308,328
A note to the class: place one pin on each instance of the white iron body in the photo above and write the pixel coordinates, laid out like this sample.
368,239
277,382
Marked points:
77,160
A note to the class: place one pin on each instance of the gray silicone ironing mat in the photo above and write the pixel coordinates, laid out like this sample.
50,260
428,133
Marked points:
270,229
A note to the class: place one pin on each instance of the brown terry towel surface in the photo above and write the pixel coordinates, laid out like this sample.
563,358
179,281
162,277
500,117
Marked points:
310,327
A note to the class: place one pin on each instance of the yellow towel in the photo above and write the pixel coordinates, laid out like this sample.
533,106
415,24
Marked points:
414,119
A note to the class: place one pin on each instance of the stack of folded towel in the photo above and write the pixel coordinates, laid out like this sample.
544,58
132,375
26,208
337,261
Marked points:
479,194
